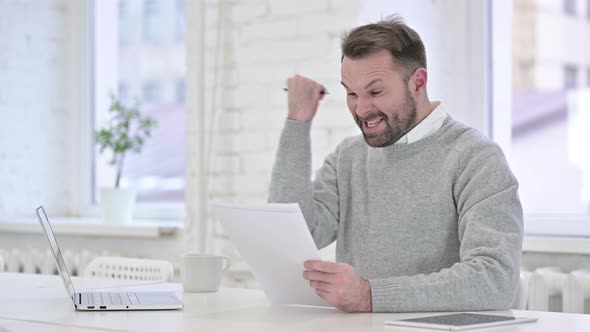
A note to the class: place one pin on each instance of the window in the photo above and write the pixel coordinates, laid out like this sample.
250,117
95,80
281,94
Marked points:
180,91
180,24
151,21
148,73
123,92
151,92
569,6
123,22
570,77
549,153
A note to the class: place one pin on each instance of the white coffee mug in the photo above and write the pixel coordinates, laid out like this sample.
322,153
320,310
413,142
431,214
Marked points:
203,272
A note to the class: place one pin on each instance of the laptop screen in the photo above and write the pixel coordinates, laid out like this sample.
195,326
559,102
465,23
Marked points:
61,264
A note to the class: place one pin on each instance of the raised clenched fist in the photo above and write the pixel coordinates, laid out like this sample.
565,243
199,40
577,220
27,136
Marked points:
304,97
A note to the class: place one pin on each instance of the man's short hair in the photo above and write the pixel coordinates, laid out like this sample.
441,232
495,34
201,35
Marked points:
390,34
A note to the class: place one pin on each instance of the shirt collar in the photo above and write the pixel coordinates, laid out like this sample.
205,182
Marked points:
426,127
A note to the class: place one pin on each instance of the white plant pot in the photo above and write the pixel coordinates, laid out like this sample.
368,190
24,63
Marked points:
117,204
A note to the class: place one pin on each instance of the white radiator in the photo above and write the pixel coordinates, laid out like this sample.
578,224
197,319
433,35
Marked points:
42,262
35,261
550,289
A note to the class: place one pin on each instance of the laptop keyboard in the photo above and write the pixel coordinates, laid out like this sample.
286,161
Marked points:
109,298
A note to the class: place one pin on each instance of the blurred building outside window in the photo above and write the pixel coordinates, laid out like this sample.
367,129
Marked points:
550,109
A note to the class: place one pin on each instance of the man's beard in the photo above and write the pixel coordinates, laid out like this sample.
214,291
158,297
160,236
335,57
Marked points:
394,130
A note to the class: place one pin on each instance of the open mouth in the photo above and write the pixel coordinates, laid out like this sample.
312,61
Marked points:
372,124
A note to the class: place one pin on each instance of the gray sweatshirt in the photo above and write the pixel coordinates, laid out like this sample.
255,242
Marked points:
434,225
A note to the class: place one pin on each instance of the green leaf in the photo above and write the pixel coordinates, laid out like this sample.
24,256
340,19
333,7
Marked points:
126,130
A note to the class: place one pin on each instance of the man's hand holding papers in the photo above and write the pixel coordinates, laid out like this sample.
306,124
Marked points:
340,285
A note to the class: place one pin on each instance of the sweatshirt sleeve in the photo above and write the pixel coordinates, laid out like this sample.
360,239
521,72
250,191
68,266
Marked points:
490,230
291,182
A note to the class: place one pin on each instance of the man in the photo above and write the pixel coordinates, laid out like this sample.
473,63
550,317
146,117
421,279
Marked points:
424,209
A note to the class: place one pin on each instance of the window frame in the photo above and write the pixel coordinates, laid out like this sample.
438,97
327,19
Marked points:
180,90
151,34
180,26
569,7
123,11
570,69
151,91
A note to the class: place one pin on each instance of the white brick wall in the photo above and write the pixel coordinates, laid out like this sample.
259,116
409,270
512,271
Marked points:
265,30
245,12
282,8
34,136
271,40
275,39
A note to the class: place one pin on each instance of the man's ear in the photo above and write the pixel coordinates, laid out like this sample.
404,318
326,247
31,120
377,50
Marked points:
417,83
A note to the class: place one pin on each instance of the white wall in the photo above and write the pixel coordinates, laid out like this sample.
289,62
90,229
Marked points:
268,41
36,141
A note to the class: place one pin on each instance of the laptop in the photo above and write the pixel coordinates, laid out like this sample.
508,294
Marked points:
101,301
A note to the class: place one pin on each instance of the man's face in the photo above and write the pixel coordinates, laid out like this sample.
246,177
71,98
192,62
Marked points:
378,98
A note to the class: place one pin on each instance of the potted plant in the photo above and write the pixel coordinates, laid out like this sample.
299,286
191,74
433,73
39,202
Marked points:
126,131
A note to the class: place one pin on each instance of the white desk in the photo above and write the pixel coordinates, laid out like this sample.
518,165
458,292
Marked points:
39,303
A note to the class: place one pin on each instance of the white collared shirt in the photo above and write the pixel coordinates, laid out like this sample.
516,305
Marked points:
427,127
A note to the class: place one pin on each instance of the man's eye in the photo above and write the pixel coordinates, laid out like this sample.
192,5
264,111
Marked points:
375,93
351,94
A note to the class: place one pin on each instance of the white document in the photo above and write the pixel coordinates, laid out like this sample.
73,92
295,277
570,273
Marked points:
275,241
